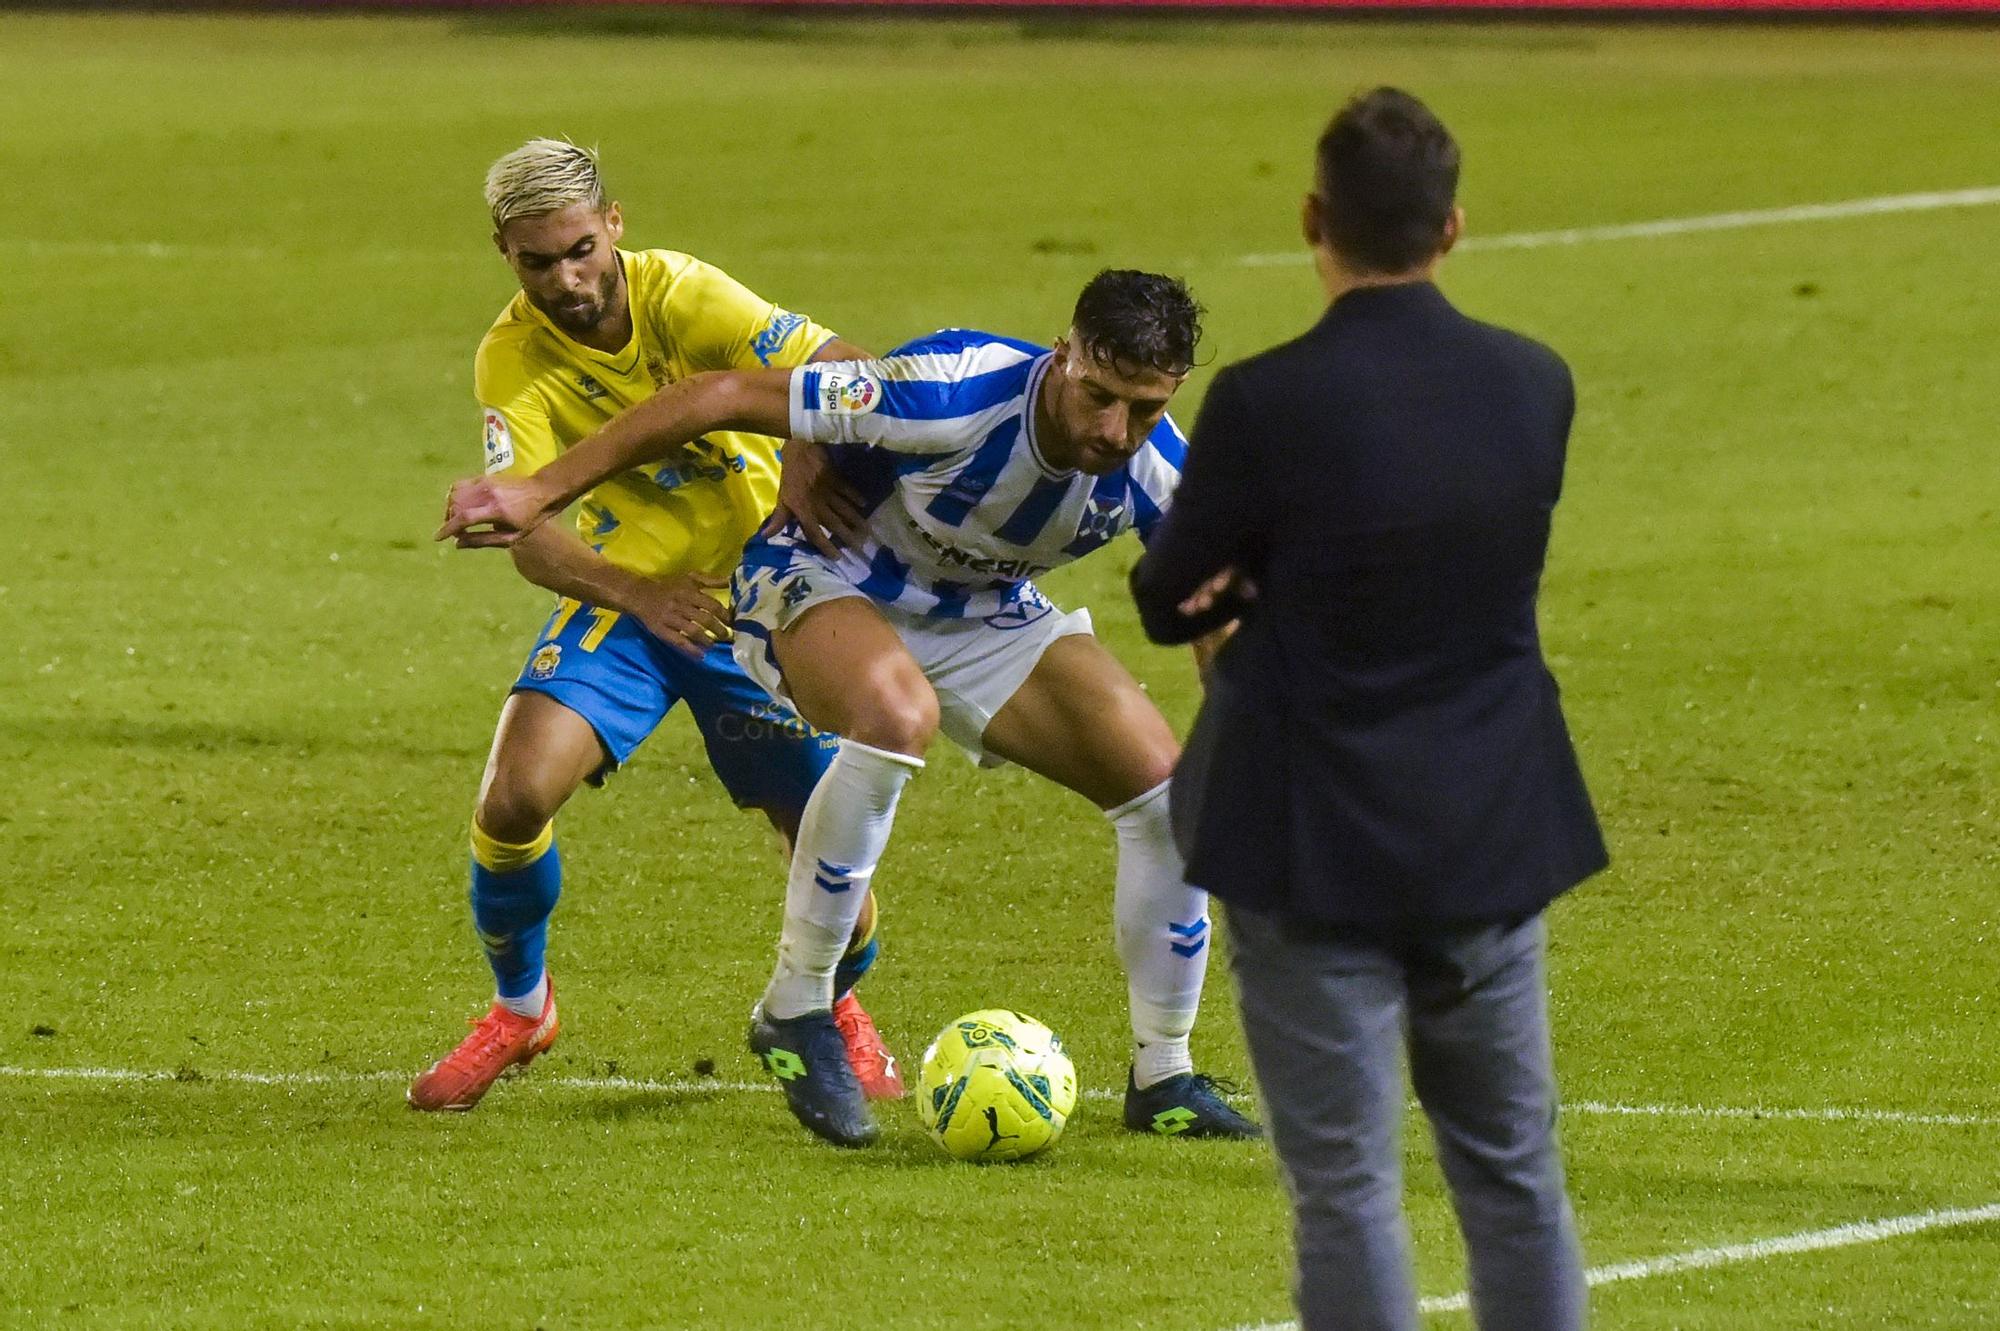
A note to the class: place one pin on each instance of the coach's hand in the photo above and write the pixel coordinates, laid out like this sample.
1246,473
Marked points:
813,494
1229,582
492,510
680,612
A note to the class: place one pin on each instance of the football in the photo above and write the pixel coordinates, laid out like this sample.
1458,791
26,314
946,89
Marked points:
996,1085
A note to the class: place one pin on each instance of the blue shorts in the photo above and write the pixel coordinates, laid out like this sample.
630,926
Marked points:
621,679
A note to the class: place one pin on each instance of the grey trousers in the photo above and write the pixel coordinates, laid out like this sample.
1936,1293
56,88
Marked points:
1326,1011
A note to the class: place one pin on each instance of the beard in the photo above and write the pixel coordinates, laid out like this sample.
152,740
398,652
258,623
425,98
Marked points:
582,320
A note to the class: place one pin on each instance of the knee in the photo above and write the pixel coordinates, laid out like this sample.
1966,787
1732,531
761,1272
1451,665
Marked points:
1149,762
1340,1168
1520,1187
1335,1195
1350,1187
897,711
1154,769
513,809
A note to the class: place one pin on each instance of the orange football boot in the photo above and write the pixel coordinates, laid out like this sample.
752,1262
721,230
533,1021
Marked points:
874,1066
499,1041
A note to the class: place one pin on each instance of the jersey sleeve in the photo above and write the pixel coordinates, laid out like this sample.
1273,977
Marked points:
720,324
1156,473
923,403
1220,520
514,422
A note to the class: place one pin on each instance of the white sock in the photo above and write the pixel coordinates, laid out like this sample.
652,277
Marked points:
1162,937
842,834
531,1003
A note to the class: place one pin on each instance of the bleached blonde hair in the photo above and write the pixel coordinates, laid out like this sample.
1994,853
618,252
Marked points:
542,176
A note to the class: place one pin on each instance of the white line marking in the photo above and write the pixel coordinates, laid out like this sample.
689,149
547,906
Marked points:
154,249
711,1085
361,253
1680,226
1829,1114
1840,1236
1815,1240
248,1078
1757,1250
194,1074
1928,201
679,1085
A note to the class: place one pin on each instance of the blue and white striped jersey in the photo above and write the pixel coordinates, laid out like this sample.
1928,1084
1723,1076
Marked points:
939,437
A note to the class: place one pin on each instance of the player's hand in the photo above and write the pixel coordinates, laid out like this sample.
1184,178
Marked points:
680,612
492,510
1222,584
812,493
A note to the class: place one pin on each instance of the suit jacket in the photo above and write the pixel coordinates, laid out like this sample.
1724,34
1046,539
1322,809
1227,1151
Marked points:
1381,743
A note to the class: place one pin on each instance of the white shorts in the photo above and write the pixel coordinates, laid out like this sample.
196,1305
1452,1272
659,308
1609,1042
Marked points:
973,665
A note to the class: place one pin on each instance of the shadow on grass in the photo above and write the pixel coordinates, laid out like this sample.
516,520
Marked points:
644,21
224,737
620,1106
958,28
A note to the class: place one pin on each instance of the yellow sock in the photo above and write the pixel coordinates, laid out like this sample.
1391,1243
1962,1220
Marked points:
499,856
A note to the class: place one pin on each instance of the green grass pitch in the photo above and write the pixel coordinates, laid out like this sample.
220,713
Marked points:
244,700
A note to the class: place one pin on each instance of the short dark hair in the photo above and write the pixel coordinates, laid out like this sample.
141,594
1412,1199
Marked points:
1129,320
1388,173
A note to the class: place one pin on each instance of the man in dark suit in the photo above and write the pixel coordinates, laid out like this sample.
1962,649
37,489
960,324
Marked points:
1380,785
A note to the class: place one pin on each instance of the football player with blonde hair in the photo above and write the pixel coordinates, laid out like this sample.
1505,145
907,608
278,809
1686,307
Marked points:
641,621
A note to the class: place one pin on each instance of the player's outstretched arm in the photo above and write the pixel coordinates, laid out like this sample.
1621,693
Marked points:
498,510
811,492
678,609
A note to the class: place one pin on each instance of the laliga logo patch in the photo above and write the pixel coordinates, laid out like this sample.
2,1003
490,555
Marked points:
848,394
545,662
499,442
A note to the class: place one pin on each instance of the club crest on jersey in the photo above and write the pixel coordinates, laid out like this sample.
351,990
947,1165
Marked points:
499,442
848,394
1100,521
547,658
590,388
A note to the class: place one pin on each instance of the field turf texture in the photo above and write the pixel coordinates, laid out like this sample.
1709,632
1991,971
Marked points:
244,700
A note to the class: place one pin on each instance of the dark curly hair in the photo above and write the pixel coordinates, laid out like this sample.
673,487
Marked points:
1128,320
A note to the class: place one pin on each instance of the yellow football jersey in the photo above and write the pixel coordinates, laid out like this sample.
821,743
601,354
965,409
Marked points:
540,392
